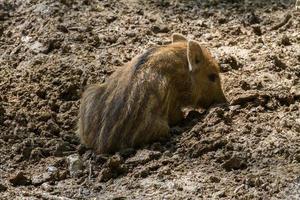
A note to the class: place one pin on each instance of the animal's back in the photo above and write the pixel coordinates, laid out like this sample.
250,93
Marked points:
138,103
123,112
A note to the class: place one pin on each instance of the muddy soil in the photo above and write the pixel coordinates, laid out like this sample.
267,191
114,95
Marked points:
50,50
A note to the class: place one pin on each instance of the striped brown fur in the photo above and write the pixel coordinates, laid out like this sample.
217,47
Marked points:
139,102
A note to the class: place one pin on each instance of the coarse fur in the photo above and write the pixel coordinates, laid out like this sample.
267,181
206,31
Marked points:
140,101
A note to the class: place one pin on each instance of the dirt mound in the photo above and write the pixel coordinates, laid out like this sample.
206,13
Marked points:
51,50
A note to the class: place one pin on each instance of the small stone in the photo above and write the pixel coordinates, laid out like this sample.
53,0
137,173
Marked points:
75,164
105,175
111,18
160,29
111,39
115,162
236,30
214,179
143,156
131,34
164,171
219,194
39,47
225,67
52,127
61,147
65,106
244,98
62,28
47,187
40,179
232,61
167,154
253,181
44,116
234,163
295,91
19,179
178,186
52,169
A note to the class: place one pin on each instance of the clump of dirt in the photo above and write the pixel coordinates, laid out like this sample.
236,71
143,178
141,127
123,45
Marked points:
51,50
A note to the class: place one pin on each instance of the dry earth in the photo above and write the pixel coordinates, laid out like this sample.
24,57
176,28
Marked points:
50,50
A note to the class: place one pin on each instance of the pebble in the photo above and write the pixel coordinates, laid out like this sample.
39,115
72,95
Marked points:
52,169
75,164
111,18
244,98
234,163
219,194
164,171
104,175
47,187
62,147
253,181
39,47
115,162
143,156
41,178
62,28
19,179
214,179
160,29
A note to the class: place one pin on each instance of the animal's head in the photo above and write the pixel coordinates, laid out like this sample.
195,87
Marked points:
204,73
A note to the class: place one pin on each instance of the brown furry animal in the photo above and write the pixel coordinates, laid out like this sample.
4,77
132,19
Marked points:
140,101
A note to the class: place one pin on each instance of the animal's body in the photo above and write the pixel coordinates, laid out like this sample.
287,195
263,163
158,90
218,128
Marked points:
140,101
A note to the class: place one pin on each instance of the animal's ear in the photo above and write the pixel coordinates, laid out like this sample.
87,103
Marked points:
194,55
176,37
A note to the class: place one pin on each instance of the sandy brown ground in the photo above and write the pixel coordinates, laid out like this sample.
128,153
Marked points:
50,50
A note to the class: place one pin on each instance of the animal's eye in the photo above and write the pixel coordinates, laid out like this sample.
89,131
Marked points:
212,77
197,60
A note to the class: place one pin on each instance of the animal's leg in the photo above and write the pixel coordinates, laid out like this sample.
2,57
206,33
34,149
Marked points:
162,130
156,131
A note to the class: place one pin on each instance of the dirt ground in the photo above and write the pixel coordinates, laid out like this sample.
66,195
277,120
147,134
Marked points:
50,50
